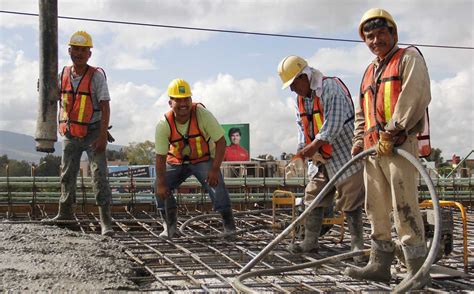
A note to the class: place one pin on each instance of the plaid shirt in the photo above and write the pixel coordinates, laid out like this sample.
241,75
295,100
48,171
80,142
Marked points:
337,129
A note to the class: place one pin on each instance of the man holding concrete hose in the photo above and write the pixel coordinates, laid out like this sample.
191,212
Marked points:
84,115
325,120
395,93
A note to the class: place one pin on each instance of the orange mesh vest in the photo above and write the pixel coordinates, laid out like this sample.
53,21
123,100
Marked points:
76,107
316,119
378,100
191,147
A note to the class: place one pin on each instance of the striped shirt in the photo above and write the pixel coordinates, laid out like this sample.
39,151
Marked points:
337,128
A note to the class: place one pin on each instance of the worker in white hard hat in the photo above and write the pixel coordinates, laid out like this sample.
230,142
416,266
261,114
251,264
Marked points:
189,141
325,121
84,115
394,96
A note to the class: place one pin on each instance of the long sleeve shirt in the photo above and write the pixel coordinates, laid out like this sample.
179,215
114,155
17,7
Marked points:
413,99
337,128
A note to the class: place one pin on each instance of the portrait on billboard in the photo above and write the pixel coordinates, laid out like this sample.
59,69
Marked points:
237,142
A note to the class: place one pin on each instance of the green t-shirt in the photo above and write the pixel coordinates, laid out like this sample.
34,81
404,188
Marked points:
208,125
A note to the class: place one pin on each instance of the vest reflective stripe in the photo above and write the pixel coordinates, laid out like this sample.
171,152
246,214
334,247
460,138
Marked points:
198,146
193,140
386,101
384,93
367,106
76,107
82,106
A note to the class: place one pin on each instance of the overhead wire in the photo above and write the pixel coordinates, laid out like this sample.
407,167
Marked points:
229,31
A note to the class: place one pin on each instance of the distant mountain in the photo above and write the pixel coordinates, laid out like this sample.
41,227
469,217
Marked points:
23,147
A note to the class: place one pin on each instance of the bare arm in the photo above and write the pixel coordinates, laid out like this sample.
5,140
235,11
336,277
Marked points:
161,189
213,176
100,144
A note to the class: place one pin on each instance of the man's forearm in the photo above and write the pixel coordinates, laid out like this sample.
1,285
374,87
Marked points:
219,155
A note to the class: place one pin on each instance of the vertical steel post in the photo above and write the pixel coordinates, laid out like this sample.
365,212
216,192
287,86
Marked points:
46,124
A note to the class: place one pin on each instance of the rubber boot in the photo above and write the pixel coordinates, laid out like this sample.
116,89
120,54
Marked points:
312,228
413,264
65,212
229,224
105,213
378,268
356,229
170,218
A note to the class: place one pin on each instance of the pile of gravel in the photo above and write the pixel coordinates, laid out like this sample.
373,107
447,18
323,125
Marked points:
48,258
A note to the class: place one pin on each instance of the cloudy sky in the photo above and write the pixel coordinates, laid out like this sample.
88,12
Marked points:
234,75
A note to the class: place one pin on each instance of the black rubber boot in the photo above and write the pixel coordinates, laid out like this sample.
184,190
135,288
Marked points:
105,213
378,268
229,223
356,229
65,212
170,219
312,228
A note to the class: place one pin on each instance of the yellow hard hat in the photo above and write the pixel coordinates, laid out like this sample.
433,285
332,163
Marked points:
376,13
81,38
289,68
179,88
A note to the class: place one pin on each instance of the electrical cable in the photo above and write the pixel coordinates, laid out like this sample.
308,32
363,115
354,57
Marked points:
229,31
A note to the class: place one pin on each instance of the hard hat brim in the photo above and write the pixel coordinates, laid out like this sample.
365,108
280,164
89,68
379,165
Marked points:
180,96
288,83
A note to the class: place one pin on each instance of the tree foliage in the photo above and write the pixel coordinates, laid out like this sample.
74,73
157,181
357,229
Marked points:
436,156
113,155
15,168
49,166
141,153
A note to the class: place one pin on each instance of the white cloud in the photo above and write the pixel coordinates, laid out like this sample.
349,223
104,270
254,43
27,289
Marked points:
452,115
259,103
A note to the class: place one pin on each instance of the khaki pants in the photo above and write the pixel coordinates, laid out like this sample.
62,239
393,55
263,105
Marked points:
391,184
350,192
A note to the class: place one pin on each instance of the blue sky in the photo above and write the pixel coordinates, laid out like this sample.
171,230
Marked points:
235,75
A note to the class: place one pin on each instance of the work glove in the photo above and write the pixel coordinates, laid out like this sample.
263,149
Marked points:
295,167
384,145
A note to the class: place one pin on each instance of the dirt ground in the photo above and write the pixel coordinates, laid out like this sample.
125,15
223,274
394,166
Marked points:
52,259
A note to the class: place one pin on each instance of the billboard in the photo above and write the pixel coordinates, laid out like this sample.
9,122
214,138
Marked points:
237,137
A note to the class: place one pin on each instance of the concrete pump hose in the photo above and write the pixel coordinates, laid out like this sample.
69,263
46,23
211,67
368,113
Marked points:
412,283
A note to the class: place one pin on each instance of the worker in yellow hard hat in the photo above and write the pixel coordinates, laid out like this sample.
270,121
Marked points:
325,121
189,141
395,93
84,115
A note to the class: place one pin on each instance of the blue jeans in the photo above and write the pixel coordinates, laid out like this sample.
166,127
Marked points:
177,174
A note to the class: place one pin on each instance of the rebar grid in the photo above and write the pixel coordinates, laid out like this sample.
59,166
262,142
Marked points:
192,263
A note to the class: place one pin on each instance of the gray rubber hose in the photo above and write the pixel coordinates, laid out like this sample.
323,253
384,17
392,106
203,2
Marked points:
412,283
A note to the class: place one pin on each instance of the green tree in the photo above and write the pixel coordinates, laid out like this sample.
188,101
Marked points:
49,166
3,163
436,156
113,155
19,168
141,153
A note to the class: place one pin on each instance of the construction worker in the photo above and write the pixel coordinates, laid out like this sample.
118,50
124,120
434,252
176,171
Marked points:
325,121
84,115
395,93
189,141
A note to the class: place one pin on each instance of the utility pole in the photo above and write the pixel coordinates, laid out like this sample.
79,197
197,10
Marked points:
46,123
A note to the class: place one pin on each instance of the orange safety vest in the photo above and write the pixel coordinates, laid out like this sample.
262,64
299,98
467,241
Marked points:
316,119
76,107
194,138
378,100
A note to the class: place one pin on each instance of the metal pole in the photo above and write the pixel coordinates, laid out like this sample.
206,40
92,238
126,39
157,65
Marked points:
46,124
